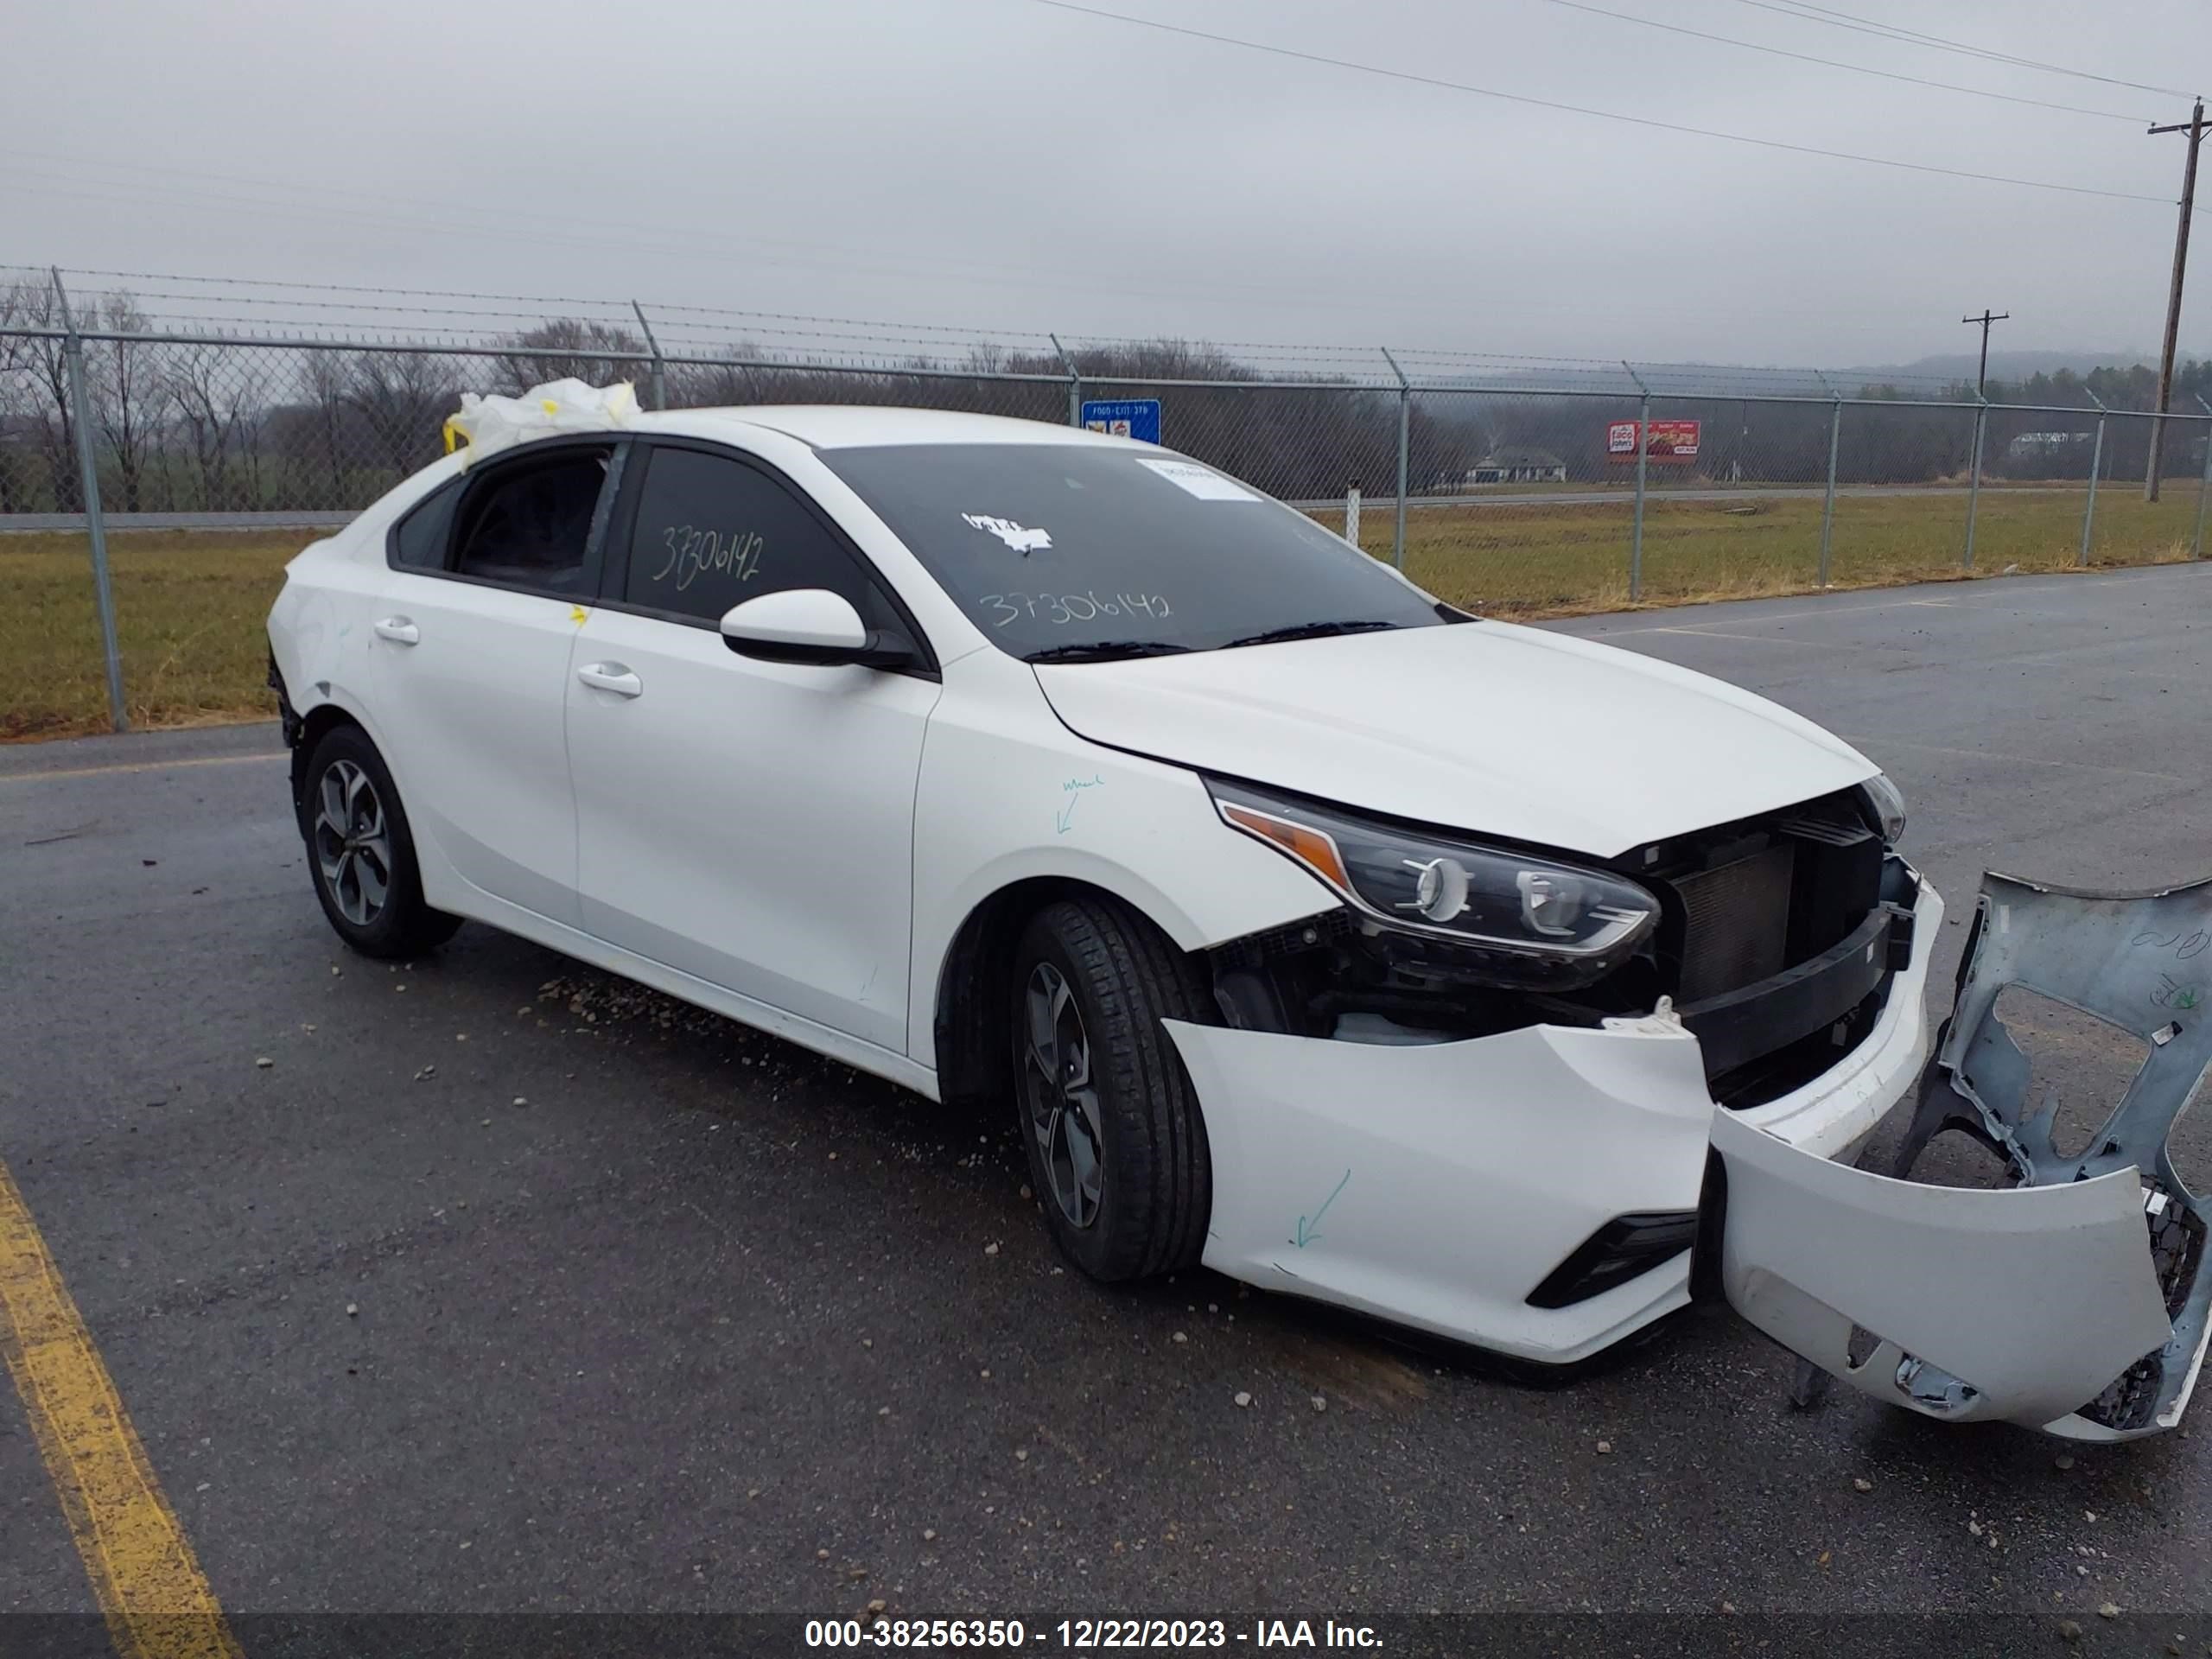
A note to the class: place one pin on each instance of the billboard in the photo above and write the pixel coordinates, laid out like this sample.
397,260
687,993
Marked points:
1669,440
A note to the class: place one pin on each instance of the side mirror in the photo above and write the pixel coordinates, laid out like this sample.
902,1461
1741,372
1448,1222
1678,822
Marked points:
810,625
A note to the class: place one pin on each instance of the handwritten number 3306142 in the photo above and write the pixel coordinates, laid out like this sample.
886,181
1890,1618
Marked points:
1060,609
691,551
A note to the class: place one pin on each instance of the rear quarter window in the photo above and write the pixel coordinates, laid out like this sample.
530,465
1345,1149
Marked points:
418,540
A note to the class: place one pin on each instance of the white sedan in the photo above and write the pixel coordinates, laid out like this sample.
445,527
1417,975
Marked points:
1485,979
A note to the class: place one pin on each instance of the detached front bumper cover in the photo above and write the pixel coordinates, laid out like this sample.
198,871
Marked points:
2142,962
2074,1300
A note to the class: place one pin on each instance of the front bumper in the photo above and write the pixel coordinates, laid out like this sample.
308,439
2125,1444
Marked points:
1437,1185
1443,1185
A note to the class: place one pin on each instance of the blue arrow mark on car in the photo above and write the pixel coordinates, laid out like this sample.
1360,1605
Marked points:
1066,817
1308,1231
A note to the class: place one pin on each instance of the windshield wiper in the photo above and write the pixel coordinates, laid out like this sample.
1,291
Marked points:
1307,631
1105,651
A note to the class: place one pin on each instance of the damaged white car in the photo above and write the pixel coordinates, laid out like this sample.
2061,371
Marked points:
1479,977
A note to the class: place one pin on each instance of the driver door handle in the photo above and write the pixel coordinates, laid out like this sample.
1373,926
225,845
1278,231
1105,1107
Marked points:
399,630
611,677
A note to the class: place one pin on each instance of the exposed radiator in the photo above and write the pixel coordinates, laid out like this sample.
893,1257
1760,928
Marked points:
1737,918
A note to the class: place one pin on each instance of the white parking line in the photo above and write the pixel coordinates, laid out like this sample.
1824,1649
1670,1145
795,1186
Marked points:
1764,640
1788,616
2016,759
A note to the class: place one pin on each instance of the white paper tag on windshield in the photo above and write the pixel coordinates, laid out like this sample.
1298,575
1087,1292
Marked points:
1017,536
1201,481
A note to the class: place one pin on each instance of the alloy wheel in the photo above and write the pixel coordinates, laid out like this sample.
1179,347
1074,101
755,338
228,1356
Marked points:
353,843
1062,1101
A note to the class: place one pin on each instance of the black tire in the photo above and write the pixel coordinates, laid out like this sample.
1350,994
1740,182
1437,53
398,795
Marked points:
1151,1173
345,780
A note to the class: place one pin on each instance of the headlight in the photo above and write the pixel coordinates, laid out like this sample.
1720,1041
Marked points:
1532,921
1889,807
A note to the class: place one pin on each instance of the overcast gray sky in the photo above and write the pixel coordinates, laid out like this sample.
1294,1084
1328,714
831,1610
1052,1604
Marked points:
1003,165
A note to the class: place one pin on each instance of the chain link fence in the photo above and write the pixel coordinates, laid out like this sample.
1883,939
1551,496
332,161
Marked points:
177,469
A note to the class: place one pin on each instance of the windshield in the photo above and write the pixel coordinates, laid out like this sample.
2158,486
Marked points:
1072,552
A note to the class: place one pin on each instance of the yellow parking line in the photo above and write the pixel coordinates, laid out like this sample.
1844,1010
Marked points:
157,1603
138,766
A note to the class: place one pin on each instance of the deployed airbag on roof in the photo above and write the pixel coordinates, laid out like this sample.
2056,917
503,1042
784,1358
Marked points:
487,425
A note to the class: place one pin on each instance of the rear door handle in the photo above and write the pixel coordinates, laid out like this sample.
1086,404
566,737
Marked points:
611,677
399,630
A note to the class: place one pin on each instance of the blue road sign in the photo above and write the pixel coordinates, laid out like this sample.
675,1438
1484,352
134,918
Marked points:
1124,417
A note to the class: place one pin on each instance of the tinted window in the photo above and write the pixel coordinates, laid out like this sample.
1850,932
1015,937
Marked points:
529,524
419,539
711,531
1055,546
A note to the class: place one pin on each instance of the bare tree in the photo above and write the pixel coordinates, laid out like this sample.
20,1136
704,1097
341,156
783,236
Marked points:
17,382
326,381
564,349
200,379
43,366
698,385
248,407
404,397
128,392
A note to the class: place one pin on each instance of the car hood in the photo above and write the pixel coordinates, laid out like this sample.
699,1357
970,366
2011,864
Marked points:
1484,727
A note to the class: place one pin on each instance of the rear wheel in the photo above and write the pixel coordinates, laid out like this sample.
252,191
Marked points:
361,852
1116,1145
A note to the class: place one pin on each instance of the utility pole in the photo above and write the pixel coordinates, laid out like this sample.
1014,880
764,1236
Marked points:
2195,127
1987,316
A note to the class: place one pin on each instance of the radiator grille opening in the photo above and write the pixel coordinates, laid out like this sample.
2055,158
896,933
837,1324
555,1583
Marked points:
1736,922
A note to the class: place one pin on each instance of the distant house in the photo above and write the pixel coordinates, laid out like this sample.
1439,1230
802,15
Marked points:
1516,464
2028,444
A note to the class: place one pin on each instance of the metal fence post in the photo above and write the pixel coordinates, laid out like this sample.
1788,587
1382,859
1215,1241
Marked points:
1351,514
659,369
1974,481
1075,382
1405,446
1643,456
72,350
1827,506
2204,484
2096,465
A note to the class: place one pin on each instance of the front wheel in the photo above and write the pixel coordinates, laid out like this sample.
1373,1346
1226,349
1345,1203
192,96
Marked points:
362,852
1116,1144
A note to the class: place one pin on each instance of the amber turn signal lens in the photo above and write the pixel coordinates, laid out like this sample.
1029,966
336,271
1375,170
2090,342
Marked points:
1314,848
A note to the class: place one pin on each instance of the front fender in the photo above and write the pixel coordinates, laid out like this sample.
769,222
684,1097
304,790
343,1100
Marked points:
996,806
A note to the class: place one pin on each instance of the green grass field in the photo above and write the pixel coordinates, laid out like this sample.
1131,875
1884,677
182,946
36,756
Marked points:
190,605
1531,561
191,609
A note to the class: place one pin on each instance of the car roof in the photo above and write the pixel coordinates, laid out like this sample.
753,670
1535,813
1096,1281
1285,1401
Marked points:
849,426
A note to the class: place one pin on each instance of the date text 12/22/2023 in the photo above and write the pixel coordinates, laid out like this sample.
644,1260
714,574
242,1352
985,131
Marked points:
1083,1635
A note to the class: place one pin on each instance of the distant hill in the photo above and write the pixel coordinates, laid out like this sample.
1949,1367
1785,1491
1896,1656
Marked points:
1925,375
2003,366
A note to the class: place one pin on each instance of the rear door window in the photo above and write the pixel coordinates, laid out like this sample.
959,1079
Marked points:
527,522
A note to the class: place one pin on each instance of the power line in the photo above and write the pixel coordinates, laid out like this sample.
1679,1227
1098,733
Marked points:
1582,109
1834,63
1805,12
482,226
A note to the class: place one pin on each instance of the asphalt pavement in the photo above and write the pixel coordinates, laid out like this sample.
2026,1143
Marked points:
506,1286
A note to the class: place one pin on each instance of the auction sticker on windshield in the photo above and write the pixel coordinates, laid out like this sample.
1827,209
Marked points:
1201,481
